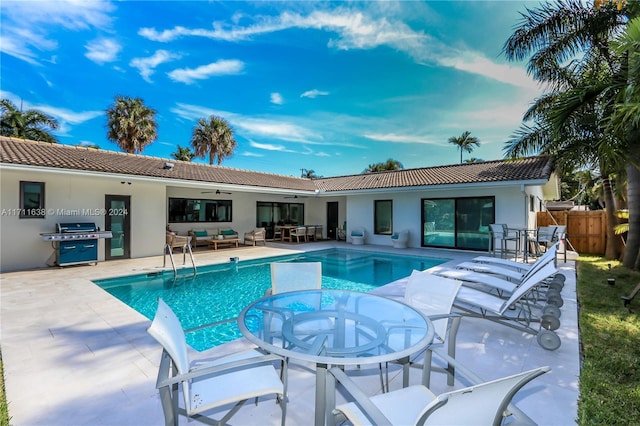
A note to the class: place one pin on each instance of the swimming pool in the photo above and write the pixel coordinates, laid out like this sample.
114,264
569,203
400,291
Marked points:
220,292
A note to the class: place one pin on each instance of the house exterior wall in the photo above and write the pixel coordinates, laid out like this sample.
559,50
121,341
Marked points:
510,208
69,194
75,198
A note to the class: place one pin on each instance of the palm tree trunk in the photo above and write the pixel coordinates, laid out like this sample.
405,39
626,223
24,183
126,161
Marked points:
632,251
612,249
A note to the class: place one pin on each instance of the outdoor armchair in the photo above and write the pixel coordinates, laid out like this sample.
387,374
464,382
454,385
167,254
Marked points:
256,236
299,232
358,236
207,387
485,403
399,239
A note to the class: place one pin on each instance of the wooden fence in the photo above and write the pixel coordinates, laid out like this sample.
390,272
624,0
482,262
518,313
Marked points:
586,230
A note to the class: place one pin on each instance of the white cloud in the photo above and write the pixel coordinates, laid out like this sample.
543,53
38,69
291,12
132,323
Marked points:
252,126
276,98
221,67
268,147
146,66
313,93
355,29
103,50
26,24
392,137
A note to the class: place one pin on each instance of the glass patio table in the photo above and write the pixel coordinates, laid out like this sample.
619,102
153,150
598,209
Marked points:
335,328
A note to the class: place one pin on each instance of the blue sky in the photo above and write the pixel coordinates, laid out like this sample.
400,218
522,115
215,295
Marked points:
326,86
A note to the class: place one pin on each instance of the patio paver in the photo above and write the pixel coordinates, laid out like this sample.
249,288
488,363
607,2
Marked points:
74,355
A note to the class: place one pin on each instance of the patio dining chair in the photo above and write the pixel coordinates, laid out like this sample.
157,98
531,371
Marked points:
209,387
501,236
433,296
299,232
485,403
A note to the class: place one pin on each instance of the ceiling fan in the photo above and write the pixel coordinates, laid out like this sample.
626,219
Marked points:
217,192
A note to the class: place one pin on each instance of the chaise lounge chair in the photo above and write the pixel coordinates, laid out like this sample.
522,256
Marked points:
518,312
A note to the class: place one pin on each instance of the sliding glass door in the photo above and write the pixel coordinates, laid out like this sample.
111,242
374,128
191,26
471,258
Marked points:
457,222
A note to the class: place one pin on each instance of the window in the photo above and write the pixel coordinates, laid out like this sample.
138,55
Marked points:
199,210
532,203
383,217
32,200
269,214
457,222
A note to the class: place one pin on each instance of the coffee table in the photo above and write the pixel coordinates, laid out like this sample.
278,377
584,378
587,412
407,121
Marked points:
227,241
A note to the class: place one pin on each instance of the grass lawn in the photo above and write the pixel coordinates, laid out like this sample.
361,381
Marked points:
4,409
610,339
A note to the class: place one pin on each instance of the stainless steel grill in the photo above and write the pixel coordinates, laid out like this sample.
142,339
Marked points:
76,243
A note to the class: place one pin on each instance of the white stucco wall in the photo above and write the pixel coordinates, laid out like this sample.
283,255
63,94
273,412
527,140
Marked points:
510,200
66,197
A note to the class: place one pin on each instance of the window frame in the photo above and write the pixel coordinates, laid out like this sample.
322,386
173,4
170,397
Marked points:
378,206
201,202
32,212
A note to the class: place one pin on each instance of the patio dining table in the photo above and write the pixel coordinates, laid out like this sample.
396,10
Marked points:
335,328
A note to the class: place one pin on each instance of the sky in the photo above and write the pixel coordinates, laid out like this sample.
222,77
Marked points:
325,86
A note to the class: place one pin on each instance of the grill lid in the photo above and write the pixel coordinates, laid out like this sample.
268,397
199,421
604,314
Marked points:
76,227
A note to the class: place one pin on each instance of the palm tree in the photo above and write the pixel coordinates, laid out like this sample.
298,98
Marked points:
30,124
626,118
465,142
183,154
213,137
569,46
131,124
309,174
390,164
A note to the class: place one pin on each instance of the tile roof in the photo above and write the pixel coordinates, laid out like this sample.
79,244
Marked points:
25,152
526,169
43,154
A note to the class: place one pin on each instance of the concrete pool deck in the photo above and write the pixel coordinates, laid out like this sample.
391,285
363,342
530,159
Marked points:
74,355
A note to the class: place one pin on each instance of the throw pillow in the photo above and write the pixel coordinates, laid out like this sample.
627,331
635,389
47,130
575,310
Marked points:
228,232
200,233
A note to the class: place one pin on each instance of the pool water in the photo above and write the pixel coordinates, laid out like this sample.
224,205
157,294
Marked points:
218,293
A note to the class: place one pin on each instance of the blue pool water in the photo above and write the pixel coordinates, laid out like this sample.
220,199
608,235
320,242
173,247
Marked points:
220,292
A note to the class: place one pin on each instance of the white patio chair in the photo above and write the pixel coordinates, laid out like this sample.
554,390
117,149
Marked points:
311,233
399,239
487,403
232,379
255,236
433,296
299,232
358,236
277,233
292,276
